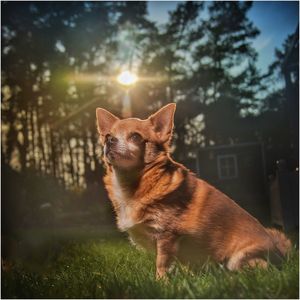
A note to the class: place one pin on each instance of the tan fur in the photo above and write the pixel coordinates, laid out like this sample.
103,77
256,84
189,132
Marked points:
165,208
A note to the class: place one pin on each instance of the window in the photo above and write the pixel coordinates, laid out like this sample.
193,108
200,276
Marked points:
227,166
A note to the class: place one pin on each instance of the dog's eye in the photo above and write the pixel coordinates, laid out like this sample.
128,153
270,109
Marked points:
136,137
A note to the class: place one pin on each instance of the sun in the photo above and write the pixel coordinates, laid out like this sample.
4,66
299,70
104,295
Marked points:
127,78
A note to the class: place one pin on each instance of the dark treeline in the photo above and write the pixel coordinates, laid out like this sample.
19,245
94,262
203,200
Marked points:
59,61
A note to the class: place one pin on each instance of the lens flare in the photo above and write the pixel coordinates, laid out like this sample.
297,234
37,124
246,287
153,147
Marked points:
127,78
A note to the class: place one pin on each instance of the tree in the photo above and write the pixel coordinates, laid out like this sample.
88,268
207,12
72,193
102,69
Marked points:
37,92
166,61
283,103
225,79
58,61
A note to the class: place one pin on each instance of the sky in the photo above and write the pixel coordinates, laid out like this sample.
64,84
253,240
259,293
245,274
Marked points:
274,19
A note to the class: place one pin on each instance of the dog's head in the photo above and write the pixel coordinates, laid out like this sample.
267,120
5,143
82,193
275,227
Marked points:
133,143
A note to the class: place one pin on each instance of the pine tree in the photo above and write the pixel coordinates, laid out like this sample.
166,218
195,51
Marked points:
225,80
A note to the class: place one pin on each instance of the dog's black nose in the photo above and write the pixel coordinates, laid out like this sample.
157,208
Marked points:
111,140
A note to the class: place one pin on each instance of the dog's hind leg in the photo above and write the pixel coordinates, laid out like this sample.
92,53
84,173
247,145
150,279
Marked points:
256,262
247,257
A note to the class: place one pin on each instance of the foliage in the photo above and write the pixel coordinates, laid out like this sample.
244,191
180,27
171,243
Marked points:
112,268
280,112
225,80
287,58
202,58
48,113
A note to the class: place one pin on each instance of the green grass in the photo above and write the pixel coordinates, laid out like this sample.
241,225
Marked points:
110,267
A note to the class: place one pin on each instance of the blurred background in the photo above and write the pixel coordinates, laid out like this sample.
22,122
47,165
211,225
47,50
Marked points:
231,67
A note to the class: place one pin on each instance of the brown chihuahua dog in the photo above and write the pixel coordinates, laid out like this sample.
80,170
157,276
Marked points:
165,208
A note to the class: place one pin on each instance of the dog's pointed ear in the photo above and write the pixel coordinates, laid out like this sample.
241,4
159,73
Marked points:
105,121
163,122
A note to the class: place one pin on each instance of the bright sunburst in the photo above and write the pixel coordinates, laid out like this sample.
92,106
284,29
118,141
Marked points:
127,78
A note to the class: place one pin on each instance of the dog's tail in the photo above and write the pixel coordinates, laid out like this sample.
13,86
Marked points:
282,244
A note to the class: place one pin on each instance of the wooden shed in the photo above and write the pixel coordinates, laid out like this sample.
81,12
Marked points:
238,170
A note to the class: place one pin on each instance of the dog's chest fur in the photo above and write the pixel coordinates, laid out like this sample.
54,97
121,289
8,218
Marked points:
123,206
139,233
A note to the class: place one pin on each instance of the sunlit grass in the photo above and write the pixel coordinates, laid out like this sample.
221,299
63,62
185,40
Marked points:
112,268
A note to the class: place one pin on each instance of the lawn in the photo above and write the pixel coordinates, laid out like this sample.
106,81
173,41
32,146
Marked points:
107,266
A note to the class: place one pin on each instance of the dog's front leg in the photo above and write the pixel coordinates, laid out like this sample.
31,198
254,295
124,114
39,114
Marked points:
165,251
